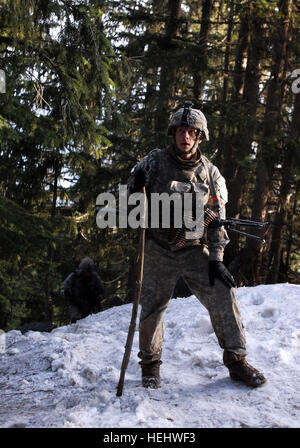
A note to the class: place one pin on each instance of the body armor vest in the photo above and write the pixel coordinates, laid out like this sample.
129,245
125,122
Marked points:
170,176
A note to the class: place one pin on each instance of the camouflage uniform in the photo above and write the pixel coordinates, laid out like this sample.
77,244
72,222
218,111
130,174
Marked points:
164,263
84,290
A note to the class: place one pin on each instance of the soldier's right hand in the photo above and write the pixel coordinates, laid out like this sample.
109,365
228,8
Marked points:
216,269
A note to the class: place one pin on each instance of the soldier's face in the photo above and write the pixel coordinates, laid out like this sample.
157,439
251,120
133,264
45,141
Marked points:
185,138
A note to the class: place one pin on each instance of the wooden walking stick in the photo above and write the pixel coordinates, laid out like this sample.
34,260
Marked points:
136,302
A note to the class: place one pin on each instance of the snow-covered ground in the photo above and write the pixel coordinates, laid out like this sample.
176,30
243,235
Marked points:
68,378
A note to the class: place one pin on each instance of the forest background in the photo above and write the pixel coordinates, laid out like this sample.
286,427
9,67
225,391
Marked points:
88,88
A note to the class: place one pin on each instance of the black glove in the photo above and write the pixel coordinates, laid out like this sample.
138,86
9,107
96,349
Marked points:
216,269
139,180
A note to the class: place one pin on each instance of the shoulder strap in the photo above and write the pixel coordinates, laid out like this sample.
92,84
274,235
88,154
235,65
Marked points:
208,168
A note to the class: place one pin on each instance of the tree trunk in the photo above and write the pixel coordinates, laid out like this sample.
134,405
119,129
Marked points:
201,60
168,67
239,148
241,58
291,231
48,305
230,162
266,157
174,12
280,220
227,53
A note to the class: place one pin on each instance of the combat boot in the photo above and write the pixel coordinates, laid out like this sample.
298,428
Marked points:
240,370
150,374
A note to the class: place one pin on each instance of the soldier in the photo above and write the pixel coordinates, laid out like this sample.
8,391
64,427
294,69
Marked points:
169,254
84,290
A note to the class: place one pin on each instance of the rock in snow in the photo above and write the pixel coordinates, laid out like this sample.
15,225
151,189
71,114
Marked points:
68,378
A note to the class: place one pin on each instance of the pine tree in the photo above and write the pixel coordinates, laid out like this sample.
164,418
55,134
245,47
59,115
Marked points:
58,65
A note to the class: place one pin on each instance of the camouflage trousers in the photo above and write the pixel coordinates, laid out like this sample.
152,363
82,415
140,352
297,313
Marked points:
74,313
162,268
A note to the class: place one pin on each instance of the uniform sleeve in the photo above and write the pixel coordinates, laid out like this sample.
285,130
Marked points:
218,238
149,166
67,285
99,287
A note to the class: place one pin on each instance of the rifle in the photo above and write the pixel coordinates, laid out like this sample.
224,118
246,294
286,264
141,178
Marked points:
212,220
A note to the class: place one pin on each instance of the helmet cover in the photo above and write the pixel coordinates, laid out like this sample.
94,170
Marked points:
188,117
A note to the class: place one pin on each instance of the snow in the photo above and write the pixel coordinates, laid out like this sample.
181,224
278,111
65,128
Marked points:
68,378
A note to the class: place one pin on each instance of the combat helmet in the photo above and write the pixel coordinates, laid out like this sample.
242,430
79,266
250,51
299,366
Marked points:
192,118
86,265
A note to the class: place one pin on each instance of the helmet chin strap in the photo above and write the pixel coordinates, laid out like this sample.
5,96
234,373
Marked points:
194,147
197,141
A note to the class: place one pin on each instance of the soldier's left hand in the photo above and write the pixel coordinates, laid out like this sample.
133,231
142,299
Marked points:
216,269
